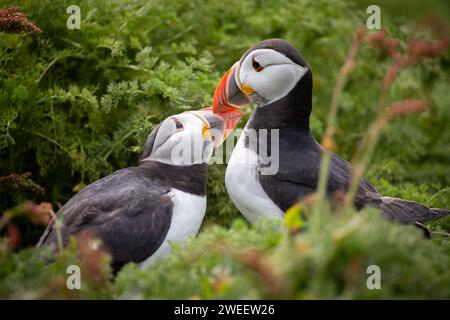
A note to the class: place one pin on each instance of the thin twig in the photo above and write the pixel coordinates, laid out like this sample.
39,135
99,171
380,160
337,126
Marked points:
57,225
327,140
50,140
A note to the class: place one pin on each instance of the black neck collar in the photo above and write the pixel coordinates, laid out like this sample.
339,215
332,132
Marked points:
191,179
291,111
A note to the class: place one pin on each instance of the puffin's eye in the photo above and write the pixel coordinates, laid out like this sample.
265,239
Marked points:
178,124
256,65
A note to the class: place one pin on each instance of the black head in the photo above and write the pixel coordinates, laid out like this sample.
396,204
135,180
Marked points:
281,46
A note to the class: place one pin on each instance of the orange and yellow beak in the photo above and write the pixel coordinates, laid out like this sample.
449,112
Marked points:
217,126
230,94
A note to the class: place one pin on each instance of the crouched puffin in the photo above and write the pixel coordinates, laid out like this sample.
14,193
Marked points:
274,76
136,211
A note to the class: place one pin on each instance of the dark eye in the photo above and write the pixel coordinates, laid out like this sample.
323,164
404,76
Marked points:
178,124
256,65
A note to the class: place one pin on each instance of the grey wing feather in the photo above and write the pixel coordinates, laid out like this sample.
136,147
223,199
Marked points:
132,221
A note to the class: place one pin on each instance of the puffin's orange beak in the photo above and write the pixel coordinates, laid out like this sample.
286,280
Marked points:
229,95
224,121
217,126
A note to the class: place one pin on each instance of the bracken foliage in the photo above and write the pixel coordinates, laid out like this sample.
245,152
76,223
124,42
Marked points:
75,105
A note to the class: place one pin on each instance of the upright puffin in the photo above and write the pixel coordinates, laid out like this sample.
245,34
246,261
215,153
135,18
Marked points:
136,211
274,76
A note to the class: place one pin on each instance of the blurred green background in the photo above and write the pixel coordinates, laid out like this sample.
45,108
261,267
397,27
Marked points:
76,105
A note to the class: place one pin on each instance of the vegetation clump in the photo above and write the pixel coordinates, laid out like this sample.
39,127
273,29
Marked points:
75,105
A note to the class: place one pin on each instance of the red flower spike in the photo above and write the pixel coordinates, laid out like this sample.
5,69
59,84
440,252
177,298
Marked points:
13,238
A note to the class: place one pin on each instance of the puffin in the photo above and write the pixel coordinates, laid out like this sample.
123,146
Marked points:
274,76
137,211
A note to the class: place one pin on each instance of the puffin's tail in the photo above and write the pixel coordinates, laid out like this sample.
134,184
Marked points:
406,211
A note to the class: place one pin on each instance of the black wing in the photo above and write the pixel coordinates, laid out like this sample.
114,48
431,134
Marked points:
298,175
128,211
406,211
298,172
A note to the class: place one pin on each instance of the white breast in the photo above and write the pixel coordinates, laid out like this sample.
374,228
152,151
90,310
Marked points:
243,186
187,216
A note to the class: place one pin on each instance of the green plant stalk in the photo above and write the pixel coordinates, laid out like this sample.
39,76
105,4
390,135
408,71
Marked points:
360,166
366,149
323,175
49,140
57,227
328,136
331,121
3,221
321,203
59,236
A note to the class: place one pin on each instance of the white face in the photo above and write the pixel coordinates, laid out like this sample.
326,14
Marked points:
270,74
183,139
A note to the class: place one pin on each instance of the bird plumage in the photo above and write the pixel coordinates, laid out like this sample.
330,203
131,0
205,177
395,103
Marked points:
129,210
299,153
137,211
